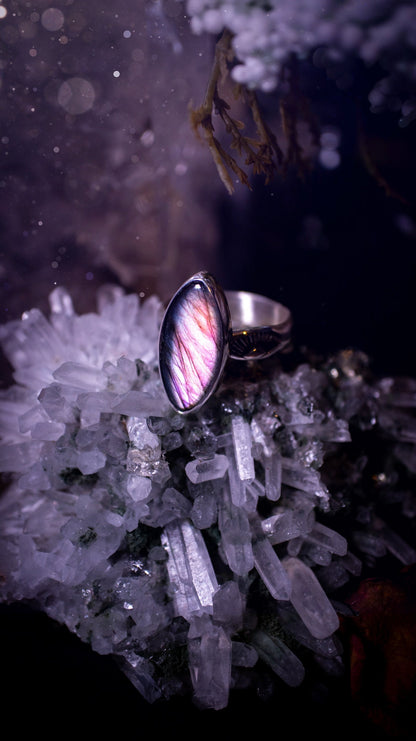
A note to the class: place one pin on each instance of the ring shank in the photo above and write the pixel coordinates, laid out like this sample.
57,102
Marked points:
250,310
260,326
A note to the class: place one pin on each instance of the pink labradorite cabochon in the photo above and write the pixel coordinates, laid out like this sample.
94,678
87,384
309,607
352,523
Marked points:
194,342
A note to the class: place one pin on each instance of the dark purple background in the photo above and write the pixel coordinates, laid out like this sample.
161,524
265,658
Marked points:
114,204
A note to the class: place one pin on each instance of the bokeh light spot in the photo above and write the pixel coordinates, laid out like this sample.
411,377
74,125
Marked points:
52,19
329,158
76,95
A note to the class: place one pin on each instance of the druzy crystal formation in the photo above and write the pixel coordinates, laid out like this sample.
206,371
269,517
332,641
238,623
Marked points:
199,551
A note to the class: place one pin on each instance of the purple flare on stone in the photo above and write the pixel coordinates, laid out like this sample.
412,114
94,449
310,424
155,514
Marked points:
194,342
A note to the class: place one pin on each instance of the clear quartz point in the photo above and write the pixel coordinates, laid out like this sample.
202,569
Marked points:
369,543
81,376
243,442
301,477
273,475
60,302
139,671
190,569
268,564
278,656
243,654
281,527
292,623
396,544
309,599
228,606
209,652
235,533
240,494
263,442
204,510
328,539
200,469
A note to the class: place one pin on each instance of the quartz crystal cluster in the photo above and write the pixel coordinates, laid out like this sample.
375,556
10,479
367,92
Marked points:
197,550
267,34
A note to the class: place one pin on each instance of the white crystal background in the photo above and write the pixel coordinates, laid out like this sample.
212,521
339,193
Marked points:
103,182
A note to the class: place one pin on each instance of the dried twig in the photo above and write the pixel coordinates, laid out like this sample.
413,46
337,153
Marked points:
202,116
262,153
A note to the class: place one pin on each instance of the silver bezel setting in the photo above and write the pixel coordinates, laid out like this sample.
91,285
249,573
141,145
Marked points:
220,303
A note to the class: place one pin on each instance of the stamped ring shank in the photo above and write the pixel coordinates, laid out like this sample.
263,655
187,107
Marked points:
260,326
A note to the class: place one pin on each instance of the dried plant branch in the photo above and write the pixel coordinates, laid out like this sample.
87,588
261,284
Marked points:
373,169
202,117
262,153
268,151
294,154
295,107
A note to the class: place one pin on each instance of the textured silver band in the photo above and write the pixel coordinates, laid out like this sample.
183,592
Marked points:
260,326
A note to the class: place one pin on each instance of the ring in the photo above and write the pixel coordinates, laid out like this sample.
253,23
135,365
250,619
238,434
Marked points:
203,326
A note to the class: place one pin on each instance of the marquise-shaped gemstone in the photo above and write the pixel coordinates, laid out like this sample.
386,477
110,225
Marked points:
192,344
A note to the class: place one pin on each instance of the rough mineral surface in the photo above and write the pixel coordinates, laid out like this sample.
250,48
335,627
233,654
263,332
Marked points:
195,549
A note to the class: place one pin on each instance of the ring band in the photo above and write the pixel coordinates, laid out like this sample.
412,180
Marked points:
260,326
203,326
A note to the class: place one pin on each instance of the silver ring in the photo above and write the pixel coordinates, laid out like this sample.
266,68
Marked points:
203,326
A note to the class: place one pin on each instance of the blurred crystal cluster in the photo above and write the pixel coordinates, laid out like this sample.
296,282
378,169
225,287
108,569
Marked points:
199,551
267,34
